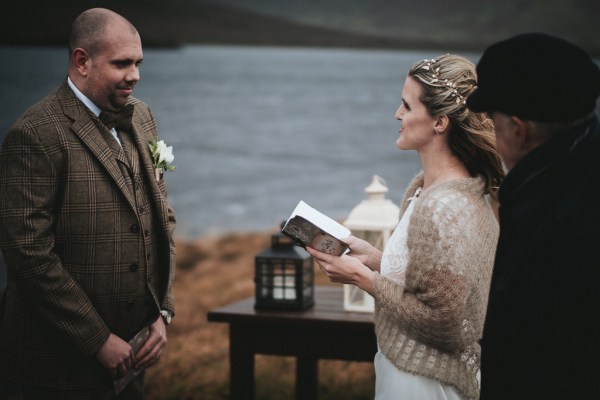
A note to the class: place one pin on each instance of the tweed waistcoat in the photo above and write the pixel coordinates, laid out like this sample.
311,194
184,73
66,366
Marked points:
128,158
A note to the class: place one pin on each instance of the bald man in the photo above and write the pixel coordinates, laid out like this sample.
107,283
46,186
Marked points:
87,231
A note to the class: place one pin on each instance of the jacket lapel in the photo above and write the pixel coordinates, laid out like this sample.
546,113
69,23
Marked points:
147,170
88,131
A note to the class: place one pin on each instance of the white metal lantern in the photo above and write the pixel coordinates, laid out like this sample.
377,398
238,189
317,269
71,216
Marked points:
373,220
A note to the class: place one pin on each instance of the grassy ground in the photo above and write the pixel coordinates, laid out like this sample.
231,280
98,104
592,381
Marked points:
212,272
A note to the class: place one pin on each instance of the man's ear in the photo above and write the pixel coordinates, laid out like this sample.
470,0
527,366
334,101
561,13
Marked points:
80,59
442,124
523,134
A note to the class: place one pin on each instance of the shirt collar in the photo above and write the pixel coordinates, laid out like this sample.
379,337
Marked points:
88,103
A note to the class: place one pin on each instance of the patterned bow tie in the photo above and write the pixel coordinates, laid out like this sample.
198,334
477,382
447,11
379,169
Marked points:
120,120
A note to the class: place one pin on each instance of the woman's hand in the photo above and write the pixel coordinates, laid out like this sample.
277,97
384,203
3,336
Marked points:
364,252
344,269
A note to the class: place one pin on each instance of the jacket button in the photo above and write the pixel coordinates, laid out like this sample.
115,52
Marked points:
133,267
134,228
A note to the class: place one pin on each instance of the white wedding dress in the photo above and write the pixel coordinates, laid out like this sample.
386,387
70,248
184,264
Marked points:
390,382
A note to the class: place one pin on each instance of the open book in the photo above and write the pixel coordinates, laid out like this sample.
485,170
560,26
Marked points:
308,227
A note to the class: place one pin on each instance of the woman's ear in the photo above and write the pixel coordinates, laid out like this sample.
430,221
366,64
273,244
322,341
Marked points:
442,124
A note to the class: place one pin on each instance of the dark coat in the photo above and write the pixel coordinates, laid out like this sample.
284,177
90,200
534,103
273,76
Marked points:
68,234
542,329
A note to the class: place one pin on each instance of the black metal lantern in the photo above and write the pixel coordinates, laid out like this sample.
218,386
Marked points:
284,276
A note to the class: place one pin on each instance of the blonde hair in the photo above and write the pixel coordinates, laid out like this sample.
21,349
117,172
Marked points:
446,82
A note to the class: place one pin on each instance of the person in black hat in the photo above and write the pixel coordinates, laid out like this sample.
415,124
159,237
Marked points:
542,326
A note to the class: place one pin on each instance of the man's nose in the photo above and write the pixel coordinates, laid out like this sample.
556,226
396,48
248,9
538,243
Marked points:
133,74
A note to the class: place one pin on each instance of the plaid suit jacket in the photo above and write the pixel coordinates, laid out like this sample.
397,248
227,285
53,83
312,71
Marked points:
67,233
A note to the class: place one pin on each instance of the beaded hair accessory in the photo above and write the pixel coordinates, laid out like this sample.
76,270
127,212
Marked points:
435,78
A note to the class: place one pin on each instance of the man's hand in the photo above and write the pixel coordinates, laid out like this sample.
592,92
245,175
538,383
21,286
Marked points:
116,356
150,352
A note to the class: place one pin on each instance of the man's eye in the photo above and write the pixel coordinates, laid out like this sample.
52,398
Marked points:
122,64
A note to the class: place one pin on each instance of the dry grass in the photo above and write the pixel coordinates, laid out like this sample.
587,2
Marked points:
213,272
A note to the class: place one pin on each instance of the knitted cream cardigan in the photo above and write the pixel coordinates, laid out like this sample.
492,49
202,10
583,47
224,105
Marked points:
432,324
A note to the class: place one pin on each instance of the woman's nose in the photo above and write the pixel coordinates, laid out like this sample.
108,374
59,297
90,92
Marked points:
399,113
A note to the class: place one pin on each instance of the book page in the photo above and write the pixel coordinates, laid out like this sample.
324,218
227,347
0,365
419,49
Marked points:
321,220
309,227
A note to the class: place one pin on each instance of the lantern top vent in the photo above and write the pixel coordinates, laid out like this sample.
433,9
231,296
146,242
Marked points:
377,188
376,213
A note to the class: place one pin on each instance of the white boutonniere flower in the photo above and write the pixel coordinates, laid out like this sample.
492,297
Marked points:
162,156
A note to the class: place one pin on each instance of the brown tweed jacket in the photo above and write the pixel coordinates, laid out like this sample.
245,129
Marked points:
68,234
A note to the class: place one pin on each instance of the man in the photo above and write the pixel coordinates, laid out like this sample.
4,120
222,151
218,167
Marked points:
542,326
86,230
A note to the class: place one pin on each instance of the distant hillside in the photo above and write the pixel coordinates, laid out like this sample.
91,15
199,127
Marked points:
458,24
172,23
440,24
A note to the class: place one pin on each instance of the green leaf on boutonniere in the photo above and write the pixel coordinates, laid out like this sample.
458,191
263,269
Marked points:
162,156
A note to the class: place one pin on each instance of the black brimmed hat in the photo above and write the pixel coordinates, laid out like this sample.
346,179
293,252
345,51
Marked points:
536,77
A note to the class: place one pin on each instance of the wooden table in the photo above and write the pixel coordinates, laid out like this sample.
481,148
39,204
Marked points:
324,331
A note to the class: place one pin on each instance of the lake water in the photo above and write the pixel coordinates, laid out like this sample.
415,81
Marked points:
255,129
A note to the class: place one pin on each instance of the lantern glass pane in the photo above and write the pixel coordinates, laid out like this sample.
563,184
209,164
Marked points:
267,280
357,296
307,278
308,292
284,279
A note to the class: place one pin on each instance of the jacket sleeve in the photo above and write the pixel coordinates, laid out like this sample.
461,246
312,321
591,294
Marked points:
169,301
29,186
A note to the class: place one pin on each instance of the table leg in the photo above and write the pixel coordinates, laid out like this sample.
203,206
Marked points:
241,366
307,378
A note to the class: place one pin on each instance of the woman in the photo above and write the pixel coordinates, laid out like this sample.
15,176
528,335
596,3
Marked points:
431,282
